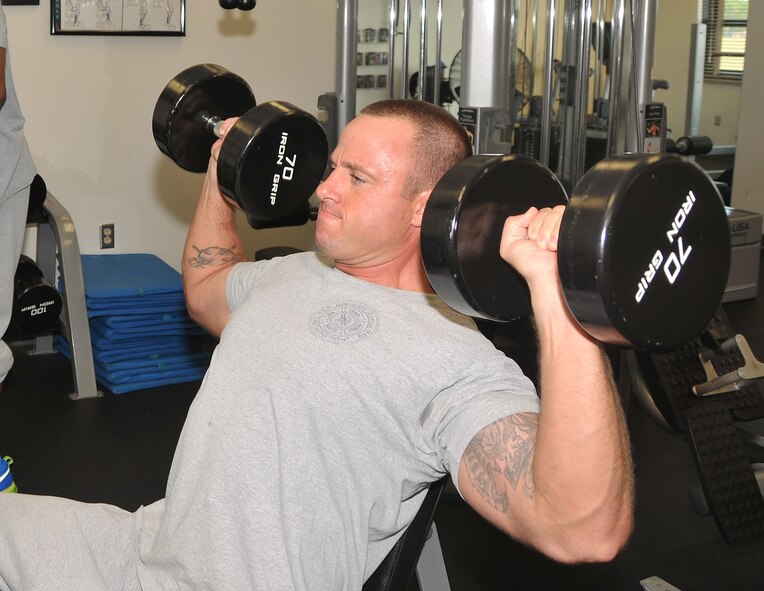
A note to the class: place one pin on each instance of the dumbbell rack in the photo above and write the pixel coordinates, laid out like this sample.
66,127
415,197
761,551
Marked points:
58,250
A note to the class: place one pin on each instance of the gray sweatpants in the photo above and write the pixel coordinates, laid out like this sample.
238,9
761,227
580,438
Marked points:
13,217
55,544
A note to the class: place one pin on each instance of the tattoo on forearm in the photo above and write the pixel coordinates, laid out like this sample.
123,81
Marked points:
501,455
213,256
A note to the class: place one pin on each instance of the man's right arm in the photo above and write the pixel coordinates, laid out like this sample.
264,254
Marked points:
212,248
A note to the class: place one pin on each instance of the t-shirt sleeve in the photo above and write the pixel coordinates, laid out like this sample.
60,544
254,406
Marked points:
3,30
480,395
241,280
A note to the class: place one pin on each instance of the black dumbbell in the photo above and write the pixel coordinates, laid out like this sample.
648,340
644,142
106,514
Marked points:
693,145
643,253
240,4
36,303
271,160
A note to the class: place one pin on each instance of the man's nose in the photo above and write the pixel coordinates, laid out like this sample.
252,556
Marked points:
327,189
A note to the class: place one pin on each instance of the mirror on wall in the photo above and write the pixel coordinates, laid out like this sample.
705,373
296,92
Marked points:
382,73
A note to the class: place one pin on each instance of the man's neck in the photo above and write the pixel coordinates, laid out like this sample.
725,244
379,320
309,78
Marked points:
401,273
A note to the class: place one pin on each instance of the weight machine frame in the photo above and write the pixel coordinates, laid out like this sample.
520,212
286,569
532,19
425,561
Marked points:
489,33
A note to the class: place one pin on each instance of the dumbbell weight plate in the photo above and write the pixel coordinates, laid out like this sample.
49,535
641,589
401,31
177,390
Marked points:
644,251
462,227
205,88
27,268
272,160
36,304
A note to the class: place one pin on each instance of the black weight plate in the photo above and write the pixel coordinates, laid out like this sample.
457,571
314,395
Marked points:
203,90
644,251
462,227
36,305
27,268
272,160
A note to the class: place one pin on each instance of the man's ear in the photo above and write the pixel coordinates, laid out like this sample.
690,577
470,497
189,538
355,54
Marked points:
420,203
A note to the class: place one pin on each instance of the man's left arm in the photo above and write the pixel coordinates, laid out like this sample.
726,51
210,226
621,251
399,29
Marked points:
561,480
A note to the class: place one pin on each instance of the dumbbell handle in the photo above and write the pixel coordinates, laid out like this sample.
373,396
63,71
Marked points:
212,123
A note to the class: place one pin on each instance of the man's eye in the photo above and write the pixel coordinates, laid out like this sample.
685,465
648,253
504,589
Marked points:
357,179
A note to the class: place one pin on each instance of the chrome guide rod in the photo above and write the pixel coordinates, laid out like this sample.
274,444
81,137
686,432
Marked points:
546,104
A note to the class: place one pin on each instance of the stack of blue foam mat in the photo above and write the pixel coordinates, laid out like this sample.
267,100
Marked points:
140,331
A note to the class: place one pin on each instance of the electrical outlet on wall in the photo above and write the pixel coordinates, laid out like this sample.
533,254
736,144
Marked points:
717,119
107,235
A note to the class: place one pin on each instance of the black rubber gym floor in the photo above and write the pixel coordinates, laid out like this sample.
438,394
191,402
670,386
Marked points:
118,449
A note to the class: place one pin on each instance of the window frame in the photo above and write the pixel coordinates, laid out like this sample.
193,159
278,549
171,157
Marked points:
713,18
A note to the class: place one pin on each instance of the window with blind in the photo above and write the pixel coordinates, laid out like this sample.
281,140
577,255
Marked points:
726,28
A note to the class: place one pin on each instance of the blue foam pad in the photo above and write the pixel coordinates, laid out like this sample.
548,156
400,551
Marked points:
128,276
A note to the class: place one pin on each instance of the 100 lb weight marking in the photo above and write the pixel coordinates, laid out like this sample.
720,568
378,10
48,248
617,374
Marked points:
643,252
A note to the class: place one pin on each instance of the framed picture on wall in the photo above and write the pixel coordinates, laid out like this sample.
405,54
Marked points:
118,17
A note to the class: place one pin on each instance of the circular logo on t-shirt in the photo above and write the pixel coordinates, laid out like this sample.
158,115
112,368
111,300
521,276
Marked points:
346,322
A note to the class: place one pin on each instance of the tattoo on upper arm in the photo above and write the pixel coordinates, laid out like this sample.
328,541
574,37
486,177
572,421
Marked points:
213,256
501,455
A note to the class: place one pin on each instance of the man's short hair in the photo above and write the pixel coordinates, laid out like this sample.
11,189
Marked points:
440,141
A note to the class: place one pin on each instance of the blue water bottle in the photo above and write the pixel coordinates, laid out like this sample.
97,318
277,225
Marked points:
6,478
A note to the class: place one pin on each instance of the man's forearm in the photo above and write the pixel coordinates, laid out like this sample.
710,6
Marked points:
582,462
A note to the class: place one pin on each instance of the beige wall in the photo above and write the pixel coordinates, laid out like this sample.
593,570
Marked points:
672,58
88,101
672,62
747,188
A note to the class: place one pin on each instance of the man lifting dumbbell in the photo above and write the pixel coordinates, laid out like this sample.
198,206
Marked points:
408,387
341,387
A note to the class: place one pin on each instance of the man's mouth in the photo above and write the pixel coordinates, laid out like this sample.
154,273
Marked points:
324,211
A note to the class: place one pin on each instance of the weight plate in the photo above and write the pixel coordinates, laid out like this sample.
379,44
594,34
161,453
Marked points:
178,122
272,160
462,227
27,268
644,251
36,305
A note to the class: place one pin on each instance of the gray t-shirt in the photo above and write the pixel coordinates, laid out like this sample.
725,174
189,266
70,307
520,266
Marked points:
330,405
16,166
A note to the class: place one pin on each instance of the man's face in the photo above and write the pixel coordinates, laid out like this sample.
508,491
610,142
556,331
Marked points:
364,219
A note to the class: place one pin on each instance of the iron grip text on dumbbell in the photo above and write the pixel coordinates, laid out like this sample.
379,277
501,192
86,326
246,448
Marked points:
674,262
36,309
287,171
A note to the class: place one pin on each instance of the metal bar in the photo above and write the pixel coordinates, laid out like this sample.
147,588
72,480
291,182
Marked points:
599,46
546,103
438,53
347,19
566,115
616,76
422,87
59,234
580,108
406,42
695,86
391,48
485,64
644,16
514,14
534,37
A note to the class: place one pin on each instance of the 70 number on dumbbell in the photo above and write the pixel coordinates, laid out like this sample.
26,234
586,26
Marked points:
643,252
644,248
271,160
